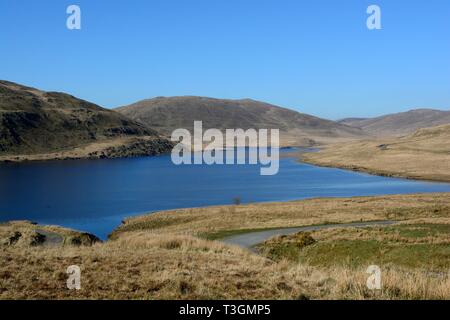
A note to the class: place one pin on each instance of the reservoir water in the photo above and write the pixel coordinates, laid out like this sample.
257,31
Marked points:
95,196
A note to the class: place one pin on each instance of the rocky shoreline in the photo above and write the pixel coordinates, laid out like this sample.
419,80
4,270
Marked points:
135,147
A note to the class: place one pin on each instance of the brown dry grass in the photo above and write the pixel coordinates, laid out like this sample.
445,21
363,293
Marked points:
424,155
210,220
24,234
147,266
159,257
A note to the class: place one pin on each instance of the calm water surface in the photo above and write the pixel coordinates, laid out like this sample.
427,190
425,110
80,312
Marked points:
94,196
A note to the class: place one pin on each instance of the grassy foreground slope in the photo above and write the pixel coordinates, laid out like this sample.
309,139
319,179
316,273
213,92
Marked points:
422,155
166,256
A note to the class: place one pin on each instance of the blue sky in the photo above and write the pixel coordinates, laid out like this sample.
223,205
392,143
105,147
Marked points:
314,56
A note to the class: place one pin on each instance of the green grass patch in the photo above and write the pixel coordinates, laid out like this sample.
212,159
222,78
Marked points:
286,247
420,230
356,253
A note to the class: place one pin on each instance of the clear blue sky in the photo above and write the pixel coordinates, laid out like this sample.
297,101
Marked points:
314,56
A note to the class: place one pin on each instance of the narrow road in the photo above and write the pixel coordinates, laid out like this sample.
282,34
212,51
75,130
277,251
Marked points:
248,240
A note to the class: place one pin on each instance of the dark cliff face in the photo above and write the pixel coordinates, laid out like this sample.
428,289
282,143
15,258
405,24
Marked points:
33,121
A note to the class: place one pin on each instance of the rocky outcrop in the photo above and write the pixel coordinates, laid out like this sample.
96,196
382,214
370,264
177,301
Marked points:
25,234
135,149
82,239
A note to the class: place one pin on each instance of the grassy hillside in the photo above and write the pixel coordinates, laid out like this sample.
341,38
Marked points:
400,124
167,114
33,122
422,155
423,246
166,256
25,234
221,221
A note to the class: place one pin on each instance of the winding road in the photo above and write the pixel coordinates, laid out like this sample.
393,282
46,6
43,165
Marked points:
249,240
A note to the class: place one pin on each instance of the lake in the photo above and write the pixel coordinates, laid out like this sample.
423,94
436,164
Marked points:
95,195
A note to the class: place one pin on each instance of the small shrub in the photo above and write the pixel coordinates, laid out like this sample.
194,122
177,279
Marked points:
14,238
172,244
303,297
37,239
84,239
304,239
237,201
186,287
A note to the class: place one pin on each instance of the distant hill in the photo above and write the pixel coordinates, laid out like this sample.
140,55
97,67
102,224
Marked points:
424,154
166,114
400,124
36,122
